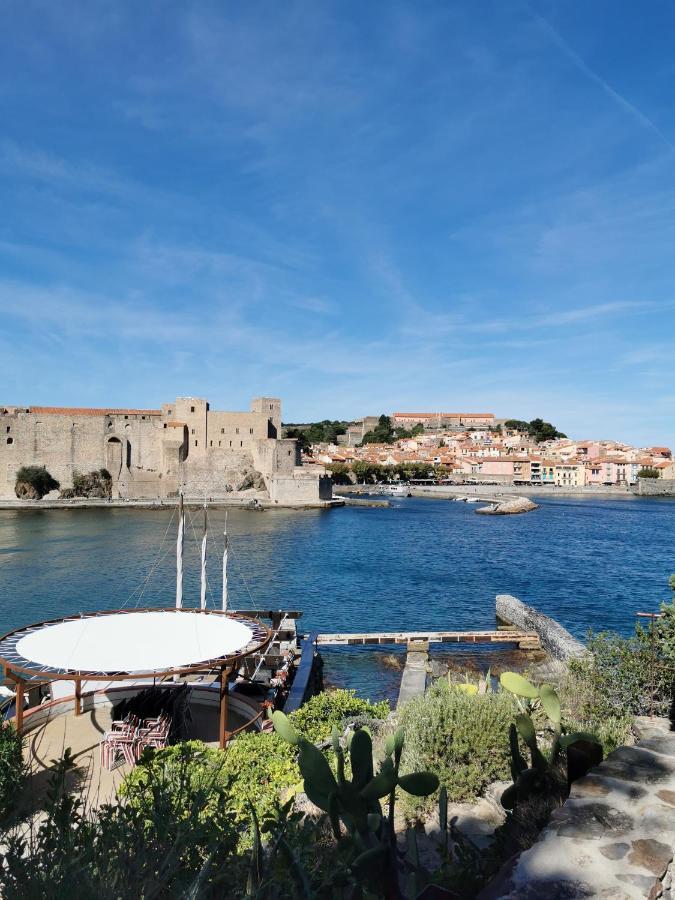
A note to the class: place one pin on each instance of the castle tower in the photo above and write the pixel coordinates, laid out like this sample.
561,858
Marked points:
271,408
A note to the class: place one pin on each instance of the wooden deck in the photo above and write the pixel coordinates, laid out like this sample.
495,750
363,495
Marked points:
524,639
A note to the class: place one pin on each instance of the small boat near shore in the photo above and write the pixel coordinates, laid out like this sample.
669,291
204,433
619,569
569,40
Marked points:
396,490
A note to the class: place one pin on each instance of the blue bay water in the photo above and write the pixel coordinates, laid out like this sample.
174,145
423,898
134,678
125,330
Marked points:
420,564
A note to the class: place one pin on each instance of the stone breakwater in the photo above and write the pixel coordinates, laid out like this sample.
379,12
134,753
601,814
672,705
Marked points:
555,640
614,836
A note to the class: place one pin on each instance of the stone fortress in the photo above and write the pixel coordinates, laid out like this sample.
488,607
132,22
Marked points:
155,453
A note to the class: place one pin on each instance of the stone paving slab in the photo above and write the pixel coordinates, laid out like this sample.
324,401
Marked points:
615,835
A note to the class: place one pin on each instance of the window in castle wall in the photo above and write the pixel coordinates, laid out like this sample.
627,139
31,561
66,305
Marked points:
250,431
195,443
241,443
210,443
193,431
222,431
219,443
10,440
8,427
236,431
192,409
230,443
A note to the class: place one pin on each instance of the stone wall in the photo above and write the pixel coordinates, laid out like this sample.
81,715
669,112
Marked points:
614,836
300,488
656,487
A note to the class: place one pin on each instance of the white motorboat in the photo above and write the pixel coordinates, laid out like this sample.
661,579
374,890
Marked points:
397,490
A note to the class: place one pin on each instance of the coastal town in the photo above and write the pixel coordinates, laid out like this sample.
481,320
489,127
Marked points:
480,448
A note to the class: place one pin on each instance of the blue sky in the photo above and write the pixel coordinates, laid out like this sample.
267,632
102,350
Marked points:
358,207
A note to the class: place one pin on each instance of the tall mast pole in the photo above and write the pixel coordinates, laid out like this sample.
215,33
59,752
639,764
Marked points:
202,595
179,552
225,569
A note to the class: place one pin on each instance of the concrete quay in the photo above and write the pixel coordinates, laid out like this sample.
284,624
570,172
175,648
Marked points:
489,492
167,503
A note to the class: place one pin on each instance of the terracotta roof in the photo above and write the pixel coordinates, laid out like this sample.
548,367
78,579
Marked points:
91,411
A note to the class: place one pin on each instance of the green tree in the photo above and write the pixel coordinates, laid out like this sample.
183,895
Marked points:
340,473
383,433
536,429
648,472
369,473
325,432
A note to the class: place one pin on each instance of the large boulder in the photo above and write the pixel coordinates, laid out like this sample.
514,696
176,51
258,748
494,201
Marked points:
251,480
94,485
508,507
26,491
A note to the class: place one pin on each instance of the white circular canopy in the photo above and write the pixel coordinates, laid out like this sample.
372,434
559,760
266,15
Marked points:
135,642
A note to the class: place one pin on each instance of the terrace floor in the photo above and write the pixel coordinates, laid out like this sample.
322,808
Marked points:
45,745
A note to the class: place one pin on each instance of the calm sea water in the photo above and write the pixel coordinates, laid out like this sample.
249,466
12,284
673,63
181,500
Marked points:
419,564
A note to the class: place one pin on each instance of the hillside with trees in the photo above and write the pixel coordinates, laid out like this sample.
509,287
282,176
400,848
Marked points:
536,429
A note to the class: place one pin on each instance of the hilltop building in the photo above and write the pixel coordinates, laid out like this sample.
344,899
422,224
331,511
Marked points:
154,453
439,419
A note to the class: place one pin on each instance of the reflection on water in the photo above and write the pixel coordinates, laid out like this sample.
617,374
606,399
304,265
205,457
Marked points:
418,564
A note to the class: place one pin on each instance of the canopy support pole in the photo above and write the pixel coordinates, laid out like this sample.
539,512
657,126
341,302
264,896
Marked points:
18,700
224,705
78,696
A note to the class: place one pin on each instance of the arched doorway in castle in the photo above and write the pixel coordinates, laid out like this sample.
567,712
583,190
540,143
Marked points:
113,456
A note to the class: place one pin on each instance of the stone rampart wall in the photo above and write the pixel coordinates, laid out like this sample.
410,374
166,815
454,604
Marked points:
65,444
153,454
300,489
656,487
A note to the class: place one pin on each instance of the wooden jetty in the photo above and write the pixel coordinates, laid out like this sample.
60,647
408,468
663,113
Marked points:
526,640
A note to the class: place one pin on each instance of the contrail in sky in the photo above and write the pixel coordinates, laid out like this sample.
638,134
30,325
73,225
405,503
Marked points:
574,57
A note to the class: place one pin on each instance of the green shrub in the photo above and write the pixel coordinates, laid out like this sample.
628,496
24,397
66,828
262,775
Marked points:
12,768
462,738
625,676
171,836
316,718
178,771
38,478
260,768
96,484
